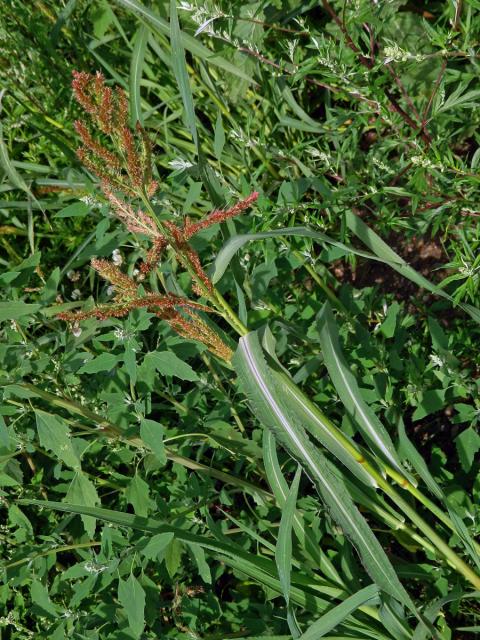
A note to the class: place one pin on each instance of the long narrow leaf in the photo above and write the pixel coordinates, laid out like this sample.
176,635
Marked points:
337,615
258,568
283,550
324,431
191,44
136,69
384,253
180,71
347,388
304,534
235,243
420,466
270,407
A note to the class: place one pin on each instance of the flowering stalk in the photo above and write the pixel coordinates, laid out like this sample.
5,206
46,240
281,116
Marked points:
127,169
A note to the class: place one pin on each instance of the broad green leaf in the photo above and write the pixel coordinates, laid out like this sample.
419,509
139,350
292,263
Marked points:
41,598
181,73
132,598
203,568
168,364
82,491
103,362
191,44
468,445
337,615
75,210
136,69
157,544
14,309
54,435
173,557
138,495
347,388
151,433
272,409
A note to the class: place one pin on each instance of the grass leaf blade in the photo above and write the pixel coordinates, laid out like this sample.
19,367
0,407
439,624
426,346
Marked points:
269,405
347,388
136,68
337,615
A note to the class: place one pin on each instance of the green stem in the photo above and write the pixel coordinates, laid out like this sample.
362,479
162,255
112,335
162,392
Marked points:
390,491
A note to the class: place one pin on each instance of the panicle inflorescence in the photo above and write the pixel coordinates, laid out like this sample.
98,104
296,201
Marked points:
130,169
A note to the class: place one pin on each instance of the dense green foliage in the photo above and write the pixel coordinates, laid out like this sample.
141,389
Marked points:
324,482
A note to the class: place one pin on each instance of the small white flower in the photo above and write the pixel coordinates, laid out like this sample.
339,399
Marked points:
76,294
180,164
76,330
110,290
117,257
73,276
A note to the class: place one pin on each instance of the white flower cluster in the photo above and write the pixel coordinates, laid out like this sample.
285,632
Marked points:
394,53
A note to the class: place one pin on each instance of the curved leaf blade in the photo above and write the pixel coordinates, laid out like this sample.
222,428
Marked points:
136,69
269,405
235,243
347,388
337,615
191,44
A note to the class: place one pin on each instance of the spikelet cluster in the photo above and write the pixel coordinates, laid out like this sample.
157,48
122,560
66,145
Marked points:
179,312
129,167
127,170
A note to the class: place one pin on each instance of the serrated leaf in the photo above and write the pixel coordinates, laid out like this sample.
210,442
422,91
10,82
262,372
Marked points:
54,435
138,495
41,598
151,433
168,364
468,445
82,491
157,544
103,362
132,598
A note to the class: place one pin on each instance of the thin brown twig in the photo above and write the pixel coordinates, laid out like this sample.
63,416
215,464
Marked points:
405,93
458,15
432,95
404,115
